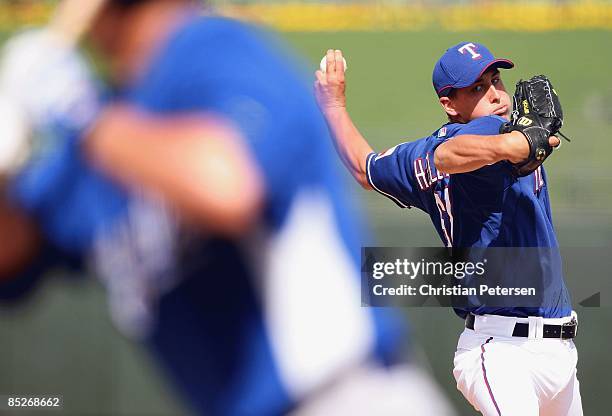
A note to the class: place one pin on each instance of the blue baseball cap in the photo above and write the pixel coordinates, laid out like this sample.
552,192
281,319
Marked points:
462,64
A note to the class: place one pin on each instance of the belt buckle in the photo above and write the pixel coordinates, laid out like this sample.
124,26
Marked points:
573,323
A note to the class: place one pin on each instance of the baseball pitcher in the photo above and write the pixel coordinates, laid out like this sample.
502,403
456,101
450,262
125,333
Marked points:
481,180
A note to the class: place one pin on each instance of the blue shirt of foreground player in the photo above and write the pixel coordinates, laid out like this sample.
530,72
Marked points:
488,207
209,328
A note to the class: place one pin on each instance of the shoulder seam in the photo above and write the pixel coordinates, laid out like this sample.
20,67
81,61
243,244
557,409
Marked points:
371,182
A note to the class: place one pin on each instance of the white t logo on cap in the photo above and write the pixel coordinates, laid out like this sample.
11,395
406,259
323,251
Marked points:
470,48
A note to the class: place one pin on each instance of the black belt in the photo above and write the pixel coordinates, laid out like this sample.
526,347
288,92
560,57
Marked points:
565,331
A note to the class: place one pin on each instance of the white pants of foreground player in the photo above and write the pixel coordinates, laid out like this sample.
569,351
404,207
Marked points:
371,390
511,376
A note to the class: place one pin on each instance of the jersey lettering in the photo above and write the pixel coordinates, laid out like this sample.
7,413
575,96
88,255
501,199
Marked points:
436,175
443,203
426,178
419,173
538,180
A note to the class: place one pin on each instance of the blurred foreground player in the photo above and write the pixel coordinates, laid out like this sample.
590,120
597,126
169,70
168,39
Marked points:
203,191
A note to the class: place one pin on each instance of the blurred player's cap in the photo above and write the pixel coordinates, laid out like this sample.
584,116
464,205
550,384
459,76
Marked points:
462,64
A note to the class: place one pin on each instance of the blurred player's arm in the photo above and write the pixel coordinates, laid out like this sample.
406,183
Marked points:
352,147
20,240
466,153
200,165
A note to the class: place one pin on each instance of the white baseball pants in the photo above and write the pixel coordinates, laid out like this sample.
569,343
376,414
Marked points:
517,376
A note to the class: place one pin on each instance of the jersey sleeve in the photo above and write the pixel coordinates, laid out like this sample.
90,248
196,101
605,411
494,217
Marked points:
483,126
404,172
69,200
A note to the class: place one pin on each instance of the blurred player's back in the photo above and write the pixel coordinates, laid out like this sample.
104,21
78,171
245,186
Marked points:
266,320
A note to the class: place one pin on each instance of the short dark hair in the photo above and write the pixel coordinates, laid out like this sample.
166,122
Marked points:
448,92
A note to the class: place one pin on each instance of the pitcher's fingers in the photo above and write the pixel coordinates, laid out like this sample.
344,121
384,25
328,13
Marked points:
321,77
331,63
339,65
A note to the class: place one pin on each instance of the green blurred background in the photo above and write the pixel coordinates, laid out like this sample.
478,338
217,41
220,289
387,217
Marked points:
62,342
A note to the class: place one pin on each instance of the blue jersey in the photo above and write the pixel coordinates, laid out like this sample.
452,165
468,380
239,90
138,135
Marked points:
244,327
488,207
